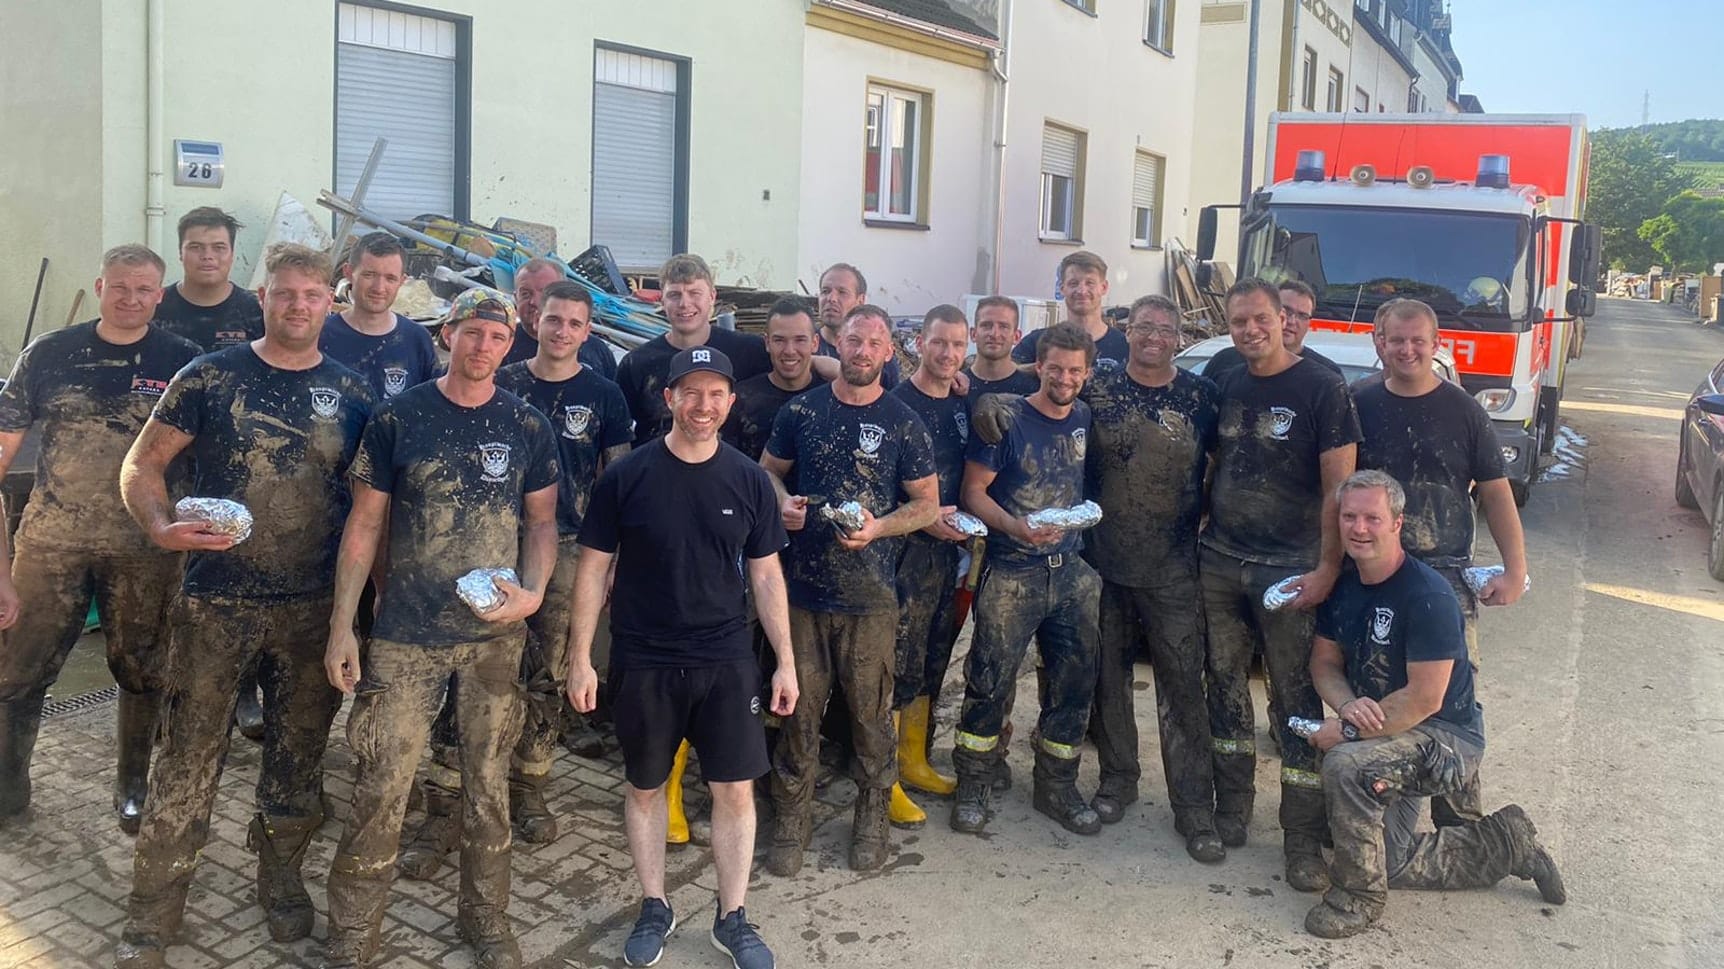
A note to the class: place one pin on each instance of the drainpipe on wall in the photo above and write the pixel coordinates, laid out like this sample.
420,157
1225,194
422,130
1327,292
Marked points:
1248,172
1001,115
155,165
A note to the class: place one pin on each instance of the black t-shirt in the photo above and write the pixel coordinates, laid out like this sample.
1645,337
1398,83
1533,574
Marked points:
641,375
681,533
890,373
1410,617
1230,359
278,442
1266,502
1436,445
594,353
587,414
840,453
91,398
402,358
1111,351
456,479
229,323
947,420
758,401
1148,450
1020,383
1039,464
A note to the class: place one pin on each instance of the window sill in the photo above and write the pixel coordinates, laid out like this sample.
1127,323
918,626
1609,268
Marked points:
1158,49
1057,241
894,224
1145,247
1079,6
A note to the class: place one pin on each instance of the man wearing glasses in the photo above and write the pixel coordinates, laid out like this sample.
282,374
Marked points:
1298,302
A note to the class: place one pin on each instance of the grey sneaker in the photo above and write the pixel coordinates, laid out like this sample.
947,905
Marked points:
646,943
734,936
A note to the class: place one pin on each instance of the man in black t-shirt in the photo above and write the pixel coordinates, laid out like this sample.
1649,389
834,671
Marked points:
1391,661
389,350
1033,585
1083,289
686,281
1153,428
465,475
1288,436
995,333
271,425
1298,303
89,388
692,527
845,442
790,341
842,289
531,281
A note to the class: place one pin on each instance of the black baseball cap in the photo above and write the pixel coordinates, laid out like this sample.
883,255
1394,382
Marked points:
696,359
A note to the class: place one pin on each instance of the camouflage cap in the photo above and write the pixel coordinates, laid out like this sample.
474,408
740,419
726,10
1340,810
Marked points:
483,304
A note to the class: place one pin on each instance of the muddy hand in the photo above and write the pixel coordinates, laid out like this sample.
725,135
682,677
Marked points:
859,539
190,537
991,417
518,603
1313,588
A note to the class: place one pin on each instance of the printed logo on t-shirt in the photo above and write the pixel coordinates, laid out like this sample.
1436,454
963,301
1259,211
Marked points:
1176,425
963,421
868,438
576,417
229,338
1280,422
325,401
394,380
754,705
1080,442
1380,626
1106,365
494,461
148,387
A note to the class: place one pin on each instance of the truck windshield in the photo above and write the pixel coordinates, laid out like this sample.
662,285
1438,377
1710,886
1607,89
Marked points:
1470,267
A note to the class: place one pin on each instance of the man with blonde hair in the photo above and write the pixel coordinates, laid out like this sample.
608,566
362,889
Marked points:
1082,277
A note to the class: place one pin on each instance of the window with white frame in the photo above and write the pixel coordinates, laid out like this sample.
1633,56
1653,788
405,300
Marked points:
1158,24
1361,100
1308,81
1146,200
1337,89
892,154
1062,182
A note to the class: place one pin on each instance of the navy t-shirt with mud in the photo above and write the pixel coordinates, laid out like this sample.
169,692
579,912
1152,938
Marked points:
948,422
758,401
1038,464
594,353
642,373
1148,449
456,478
279,442
402,358
90,398
1021,383
843,452
587,414
1111,351
1266,501
1410,617
682,534
1436,445
229,323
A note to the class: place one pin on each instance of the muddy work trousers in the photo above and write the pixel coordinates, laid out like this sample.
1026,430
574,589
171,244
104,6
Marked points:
1238,626
212,642
837,649
1377,845
1168,619
1055,600
1466,804
388,730
927,616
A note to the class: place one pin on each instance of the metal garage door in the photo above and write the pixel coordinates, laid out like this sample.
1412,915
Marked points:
395,77
634,157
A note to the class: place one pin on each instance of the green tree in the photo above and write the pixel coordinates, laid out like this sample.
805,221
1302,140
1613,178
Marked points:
1688,233
1631,179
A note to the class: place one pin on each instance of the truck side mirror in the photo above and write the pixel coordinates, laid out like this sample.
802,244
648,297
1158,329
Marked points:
1585,256
1582,302
1207,220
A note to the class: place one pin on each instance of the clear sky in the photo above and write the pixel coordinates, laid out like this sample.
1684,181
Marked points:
1593,57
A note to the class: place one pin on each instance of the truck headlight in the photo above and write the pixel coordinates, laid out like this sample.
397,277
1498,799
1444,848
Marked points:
1495,400
1510,455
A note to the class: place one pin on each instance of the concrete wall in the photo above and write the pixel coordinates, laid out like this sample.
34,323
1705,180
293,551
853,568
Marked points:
1379,74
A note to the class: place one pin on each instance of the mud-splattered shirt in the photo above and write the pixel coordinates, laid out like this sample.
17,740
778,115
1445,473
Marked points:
758,401
1111,351
681,533
402,358
229,323
641,375
1148,450
1231,359
1436,445
1410,617
594,353
456,479
1266,502
588,416
948,422
1020,383
841,452
90,398
279,442
1038,464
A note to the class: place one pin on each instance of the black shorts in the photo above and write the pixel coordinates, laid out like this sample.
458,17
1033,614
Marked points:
716,708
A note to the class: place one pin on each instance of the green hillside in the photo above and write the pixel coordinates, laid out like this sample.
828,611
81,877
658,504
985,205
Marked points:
1702,175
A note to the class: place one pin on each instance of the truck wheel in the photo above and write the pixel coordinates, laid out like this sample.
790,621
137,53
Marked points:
1715,549
1684,490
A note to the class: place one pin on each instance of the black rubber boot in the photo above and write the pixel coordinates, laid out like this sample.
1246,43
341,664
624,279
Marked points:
248,710
492,939
870,830
534,822
1531,861
1056,794
280,845
135,729
440,834
20,720
1113,796
1304,824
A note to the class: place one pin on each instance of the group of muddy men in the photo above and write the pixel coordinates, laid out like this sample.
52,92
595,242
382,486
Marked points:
784,532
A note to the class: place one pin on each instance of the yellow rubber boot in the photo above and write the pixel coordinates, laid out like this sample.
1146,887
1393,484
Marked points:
914,771
676,831
900,810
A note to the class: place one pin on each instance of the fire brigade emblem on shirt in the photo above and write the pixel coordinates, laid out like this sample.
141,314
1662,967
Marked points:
1280,422
963,422
576,417
325,402
1380,626
394,381
1080,442
869,437
494,461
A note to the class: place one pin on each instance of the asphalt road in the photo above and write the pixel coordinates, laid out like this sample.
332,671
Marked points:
1604,695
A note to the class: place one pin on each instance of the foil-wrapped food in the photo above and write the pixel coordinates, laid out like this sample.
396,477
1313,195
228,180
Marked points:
1280,594
847,516
1480,576
968,524
222,516
479,592
1075,517
1303,727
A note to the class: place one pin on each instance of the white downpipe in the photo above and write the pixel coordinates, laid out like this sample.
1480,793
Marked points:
155,161
1001,116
